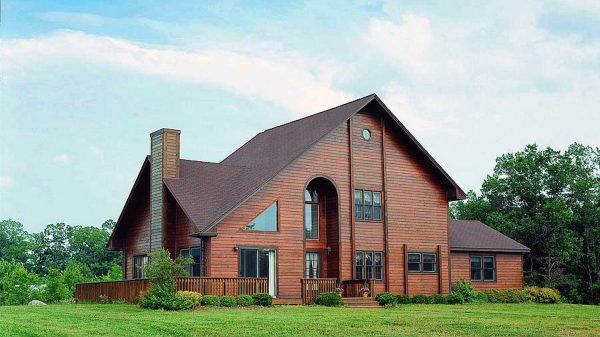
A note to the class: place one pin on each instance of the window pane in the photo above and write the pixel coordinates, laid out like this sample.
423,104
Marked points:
360,265
196,253
428,262
358,204
476,268
265,221
137,266
369,264
186,253
414,262
312,265
263,263
488,262
311,221
378,266
368,195
489,266
376,205
248,262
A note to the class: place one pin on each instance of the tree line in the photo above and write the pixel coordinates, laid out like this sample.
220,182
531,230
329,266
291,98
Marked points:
548,200
47,265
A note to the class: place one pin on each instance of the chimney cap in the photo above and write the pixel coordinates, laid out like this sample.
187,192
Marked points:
164,130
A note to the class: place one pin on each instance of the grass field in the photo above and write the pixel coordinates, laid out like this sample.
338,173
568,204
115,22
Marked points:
409,320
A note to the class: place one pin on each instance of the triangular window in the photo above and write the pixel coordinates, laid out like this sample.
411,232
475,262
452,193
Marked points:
265,221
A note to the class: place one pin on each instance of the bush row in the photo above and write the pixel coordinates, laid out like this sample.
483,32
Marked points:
186,300
463,293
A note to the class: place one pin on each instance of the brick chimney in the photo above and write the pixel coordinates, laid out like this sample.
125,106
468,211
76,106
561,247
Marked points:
164,163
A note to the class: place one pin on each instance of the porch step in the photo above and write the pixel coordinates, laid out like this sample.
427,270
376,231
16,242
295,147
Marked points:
360,302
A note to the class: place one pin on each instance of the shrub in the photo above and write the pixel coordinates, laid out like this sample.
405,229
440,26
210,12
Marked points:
332,299
76,272
506,296
210,301
245,300
465,289
162,271
420,299
480,297
386,298
438,299
403,299
228,301
455,298
16,283
543,295
263,299
55,289
186,300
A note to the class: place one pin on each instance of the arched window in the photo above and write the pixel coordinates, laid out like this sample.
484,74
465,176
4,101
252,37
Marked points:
311,214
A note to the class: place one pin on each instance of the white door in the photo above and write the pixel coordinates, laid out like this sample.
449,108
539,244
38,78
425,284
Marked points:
272,273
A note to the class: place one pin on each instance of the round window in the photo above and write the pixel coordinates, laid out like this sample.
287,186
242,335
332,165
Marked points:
366,133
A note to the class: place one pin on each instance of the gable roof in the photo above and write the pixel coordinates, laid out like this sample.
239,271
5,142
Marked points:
473,235
208,192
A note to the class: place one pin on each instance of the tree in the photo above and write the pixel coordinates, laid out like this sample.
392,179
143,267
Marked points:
114,274
88,246
15,242
549,201
52,247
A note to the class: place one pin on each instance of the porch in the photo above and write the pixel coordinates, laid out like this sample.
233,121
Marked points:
130,290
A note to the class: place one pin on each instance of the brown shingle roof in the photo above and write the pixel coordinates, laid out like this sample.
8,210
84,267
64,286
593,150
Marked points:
473,235
207,192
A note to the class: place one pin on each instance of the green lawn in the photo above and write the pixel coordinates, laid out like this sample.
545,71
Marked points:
409,320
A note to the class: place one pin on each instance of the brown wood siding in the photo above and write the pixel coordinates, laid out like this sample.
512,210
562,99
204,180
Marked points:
509,270
417,216
137,220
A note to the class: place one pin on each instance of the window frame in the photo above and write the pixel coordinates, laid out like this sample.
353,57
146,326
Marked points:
190,267
258,251
276,203
421,262
373,267
482,269
363,206
143,262
380,206
312,203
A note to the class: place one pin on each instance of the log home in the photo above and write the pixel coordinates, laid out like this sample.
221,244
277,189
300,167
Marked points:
346,194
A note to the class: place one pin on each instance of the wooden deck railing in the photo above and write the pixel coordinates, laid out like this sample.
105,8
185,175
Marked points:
352,287
130,290
222,286
311,287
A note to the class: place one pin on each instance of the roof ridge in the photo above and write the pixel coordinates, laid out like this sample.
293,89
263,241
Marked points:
317,113
294,121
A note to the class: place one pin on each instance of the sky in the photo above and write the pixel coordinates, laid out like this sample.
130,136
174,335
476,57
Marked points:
84,83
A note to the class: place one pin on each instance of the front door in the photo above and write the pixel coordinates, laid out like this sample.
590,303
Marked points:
255,262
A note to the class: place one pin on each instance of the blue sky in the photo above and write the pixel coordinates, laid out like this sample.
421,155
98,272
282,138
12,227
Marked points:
83,83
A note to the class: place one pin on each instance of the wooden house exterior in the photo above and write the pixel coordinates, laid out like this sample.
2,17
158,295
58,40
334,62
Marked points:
346,194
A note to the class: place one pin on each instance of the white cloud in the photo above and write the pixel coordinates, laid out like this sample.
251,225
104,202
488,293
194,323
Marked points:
62,158
5,180
407,44
297,83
